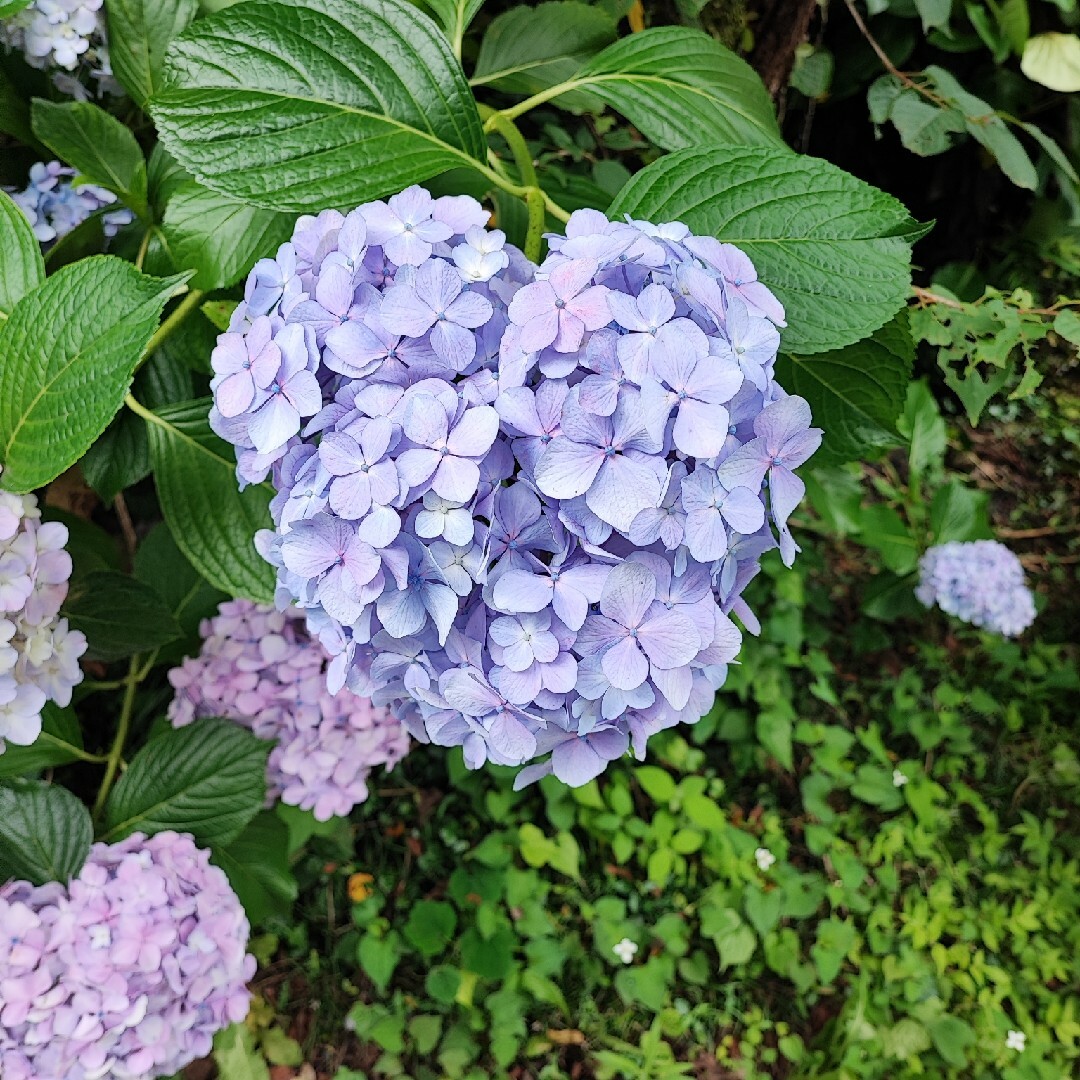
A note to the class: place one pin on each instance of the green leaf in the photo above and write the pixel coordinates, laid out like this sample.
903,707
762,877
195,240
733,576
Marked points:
933,13
490,958
207,779
139,31
1067,325
885,531
218,237
924,429
526,50
839,262
735,941
952,1036
454,16
119,615
856,393
379,956
257,863
236,1056
212,522
59,743
834,940
22,268
45,832
12,7
681,88
430,927
1053,151
958,512
101,149
1053,60
354,100
67,356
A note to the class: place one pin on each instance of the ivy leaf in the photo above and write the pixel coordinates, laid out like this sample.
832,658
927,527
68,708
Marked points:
681,88
59,743
212,522
139,31
207,779
526,49
22,268
257,864
839,262
454,16
102,149
219,237
45,832
355,100
856,393
67,356
119,615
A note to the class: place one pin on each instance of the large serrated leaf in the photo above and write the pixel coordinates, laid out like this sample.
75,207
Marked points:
67,356
212,522
856,393
836,251
218,237
45,832
257,863
59,743
22,268
681,88
319,104
139,31
207,779
454,16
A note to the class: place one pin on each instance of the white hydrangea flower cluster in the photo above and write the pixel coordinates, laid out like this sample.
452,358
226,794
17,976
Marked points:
39,652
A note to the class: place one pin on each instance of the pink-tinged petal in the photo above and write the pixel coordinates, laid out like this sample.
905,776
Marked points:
598,634
334,290
746,466
355,345
470,309
625,665
520,591
799,447
575,762
456,479
265,365
591,307
384,483
519,687
509,741
669,638
780,421
705,535
569,333
437,284
566,468
474,433
407,249
622,488
350,496
599,394
569,278
375,438
517,656
560,675
416,466
743,510
531,302
402,312
273,424
466,693
382,222
540,332
517,407
453,344
656,304
700,430
308,554
339,454
589,579
762,300
786,491
234,393
304,393
629,590
569,604
624,310
545,647
712,382
425,421
675,684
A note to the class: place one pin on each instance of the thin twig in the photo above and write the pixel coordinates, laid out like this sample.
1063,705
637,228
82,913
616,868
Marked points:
1030,534
127,526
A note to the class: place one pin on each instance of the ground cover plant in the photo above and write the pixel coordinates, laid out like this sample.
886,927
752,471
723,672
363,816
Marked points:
538,541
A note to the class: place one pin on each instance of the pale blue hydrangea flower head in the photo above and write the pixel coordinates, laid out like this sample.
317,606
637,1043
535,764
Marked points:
524,502
54,205
979,581
125,972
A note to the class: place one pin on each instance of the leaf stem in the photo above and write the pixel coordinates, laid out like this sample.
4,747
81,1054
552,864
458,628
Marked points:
500,122
178,315
126,710
534,235
523,107
143,248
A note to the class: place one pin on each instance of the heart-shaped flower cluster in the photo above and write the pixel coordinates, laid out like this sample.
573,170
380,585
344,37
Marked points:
517,503
126,972
260,668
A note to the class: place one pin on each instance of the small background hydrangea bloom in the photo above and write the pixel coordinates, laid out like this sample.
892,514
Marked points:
519,505
126,972
54,205
39,652
979,581
66,37
260,668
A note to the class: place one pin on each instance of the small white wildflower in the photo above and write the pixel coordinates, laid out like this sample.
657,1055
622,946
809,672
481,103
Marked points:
898,778
765,858
1015,1040
625,950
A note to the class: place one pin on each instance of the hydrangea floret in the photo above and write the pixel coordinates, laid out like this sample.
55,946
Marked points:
39,652
260,668
126,972
519,505
979,581
54,204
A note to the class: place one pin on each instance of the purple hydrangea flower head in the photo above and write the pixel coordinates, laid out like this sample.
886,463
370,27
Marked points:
127,971
525,506
54,205
261,668
39,652
979,581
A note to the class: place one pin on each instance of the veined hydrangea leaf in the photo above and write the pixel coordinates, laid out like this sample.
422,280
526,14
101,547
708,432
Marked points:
220,237
97,145
454,16
60,742
294,105
139,31
45,832
856,393
67,356
207,779
22,268
680,88
212,522
257,863
839,261
526,50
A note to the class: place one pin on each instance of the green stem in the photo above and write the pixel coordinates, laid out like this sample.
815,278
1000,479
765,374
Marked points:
523,107
534,236
522,192
143,248
179,314
500,122
112,765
